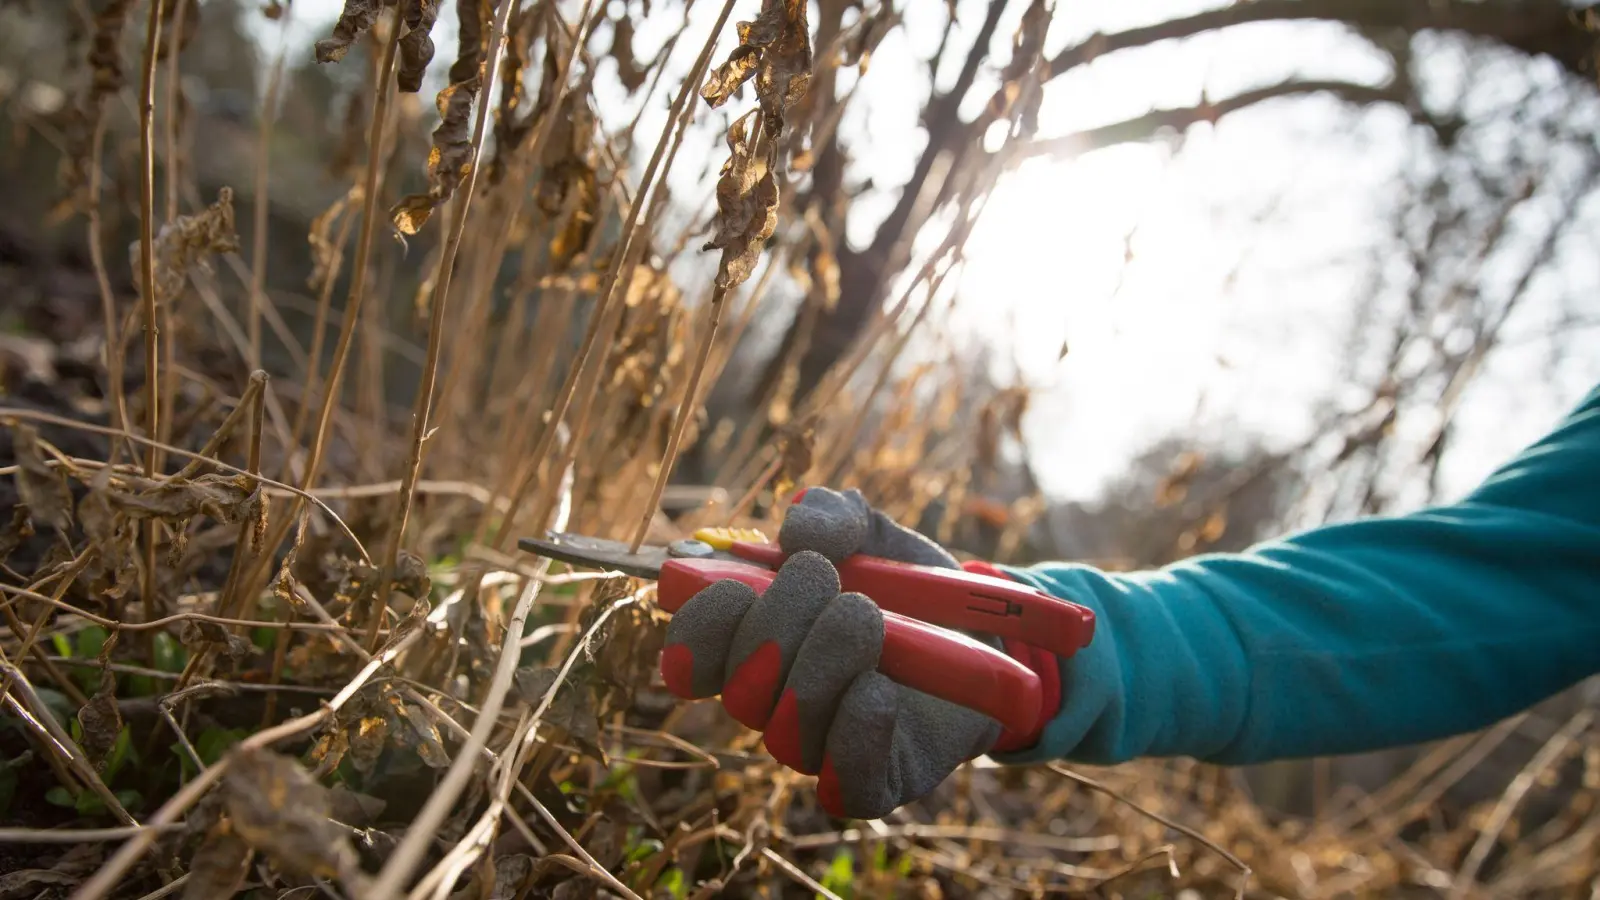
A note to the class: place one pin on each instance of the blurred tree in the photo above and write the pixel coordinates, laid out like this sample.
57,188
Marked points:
823,328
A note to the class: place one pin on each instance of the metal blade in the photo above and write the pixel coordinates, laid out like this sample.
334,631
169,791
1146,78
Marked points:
598,553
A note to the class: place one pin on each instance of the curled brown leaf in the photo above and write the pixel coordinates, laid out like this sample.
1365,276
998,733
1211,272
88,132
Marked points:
183,245
747,202
355,19
197,634
472,16
775,48
416,45
448,162
218,866
100,719
42,489
276,807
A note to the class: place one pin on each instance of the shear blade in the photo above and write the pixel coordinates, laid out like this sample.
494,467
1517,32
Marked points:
598,553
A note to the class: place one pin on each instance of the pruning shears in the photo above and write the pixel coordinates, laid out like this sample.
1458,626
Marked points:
920,605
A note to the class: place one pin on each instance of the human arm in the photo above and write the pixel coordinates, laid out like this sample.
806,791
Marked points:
1345,638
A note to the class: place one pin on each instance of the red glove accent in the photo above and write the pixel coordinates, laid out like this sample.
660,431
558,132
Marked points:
1042,662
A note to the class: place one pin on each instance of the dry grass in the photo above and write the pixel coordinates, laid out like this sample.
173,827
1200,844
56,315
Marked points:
339,679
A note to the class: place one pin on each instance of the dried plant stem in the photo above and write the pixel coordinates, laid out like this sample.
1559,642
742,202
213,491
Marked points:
352,309
26,701
30,636
608,287
320,322
249,403
441,297
420,834
527,729
147,285
1179,827
108,300
301,493
686,409
1467,875
68,835
262,202
106,879
163,622
359,268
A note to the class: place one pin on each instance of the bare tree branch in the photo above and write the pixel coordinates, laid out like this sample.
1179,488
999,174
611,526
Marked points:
1151,124
1541,28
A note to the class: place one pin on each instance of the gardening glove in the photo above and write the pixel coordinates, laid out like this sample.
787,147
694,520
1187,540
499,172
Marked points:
799,663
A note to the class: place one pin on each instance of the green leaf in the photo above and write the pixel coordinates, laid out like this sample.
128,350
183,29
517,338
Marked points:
264,638
90,641
62,645
90,804
120,752
841,875
211,745
169,654
643,850
672,880
60,796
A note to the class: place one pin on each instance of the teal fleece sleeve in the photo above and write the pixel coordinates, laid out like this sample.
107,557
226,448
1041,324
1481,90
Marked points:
1350,637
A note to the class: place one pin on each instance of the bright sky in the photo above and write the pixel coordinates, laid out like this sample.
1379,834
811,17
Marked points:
1245,249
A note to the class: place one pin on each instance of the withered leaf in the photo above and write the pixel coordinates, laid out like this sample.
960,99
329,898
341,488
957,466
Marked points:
355,809
726,78
221,497
197,633
19,529
411,575
42,489
366,741
448,162
420,733
747,202
100,718
776,49
354,20
331,747
471,16
276,807
68,870
416,45
510,128
183,244
112,571
567,709
218,867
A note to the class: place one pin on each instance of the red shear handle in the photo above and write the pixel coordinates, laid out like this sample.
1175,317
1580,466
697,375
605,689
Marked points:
953,598
947,665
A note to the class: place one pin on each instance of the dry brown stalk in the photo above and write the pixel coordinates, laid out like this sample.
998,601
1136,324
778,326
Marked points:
441,295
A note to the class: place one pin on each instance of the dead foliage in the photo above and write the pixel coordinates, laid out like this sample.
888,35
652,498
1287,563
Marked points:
499,728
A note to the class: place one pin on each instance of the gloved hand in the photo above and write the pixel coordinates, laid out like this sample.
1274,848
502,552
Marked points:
799,664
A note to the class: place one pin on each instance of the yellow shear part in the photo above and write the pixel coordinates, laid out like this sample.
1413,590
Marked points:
724,538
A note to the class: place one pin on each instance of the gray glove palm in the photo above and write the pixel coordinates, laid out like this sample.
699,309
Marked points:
799,663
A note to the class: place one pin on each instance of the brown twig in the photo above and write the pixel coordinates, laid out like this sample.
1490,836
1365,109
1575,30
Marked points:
686,410
1091,784
147,284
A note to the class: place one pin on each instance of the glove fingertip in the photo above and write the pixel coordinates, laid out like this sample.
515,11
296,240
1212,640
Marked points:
677,670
